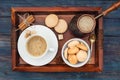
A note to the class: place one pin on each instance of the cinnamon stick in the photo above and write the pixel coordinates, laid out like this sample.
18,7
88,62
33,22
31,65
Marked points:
24,24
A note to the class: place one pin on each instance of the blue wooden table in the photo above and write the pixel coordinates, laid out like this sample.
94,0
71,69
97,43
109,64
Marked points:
111,24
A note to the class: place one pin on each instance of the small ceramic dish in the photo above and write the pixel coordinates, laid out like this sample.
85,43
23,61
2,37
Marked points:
78,64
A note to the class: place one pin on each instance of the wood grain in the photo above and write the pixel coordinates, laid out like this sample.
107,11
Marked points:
111,69
111,8
67,13
5,9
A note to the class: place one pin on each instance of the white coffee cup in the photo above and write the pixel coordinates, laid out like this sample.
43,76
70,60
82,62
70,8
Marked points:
35,45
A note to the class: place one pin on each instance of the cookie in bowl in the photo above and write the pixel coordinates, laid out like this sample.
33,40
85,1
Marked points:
75,52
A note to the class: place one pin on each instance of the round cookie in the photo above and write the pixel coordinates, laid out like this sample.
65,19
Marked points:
82,46
65,53
73,43
81,56
61,27
72,59
73,50
51,20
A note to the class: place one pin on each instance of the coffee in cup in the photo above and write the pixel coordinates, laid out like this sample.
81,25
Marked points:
36,46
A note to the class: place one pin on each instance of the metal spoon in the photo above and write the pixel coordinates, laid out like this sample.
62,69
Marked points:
92,40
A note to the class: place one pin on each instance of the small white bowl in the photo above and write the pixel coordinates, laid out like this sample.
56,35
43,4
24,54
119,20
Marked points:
79,64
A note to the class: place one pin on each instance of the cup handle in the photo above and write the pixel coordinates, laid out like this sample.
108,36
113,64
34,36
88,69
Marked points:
51,49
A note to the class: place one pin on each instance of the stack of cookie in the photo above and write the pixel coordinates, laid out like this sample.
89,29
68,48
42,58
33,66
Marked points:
76,52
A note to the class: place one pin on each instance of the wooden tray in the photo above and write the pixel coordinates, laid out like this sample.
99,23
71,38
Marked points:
57,65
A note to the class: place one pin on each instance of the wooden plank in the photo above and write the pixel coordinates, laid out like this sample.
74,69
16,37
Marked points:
4,41
111,26
112,54
5,5
5,44
5,25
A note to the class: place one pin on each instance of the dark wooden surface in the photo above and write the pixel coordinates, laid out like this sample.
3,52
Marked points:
111,24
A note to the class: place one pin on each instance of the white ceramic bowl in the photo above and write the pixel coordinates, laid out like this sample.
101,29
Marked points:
79,64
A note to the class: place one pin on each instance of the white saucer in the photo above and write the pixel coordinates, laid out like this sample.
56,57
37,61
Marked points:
52,43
